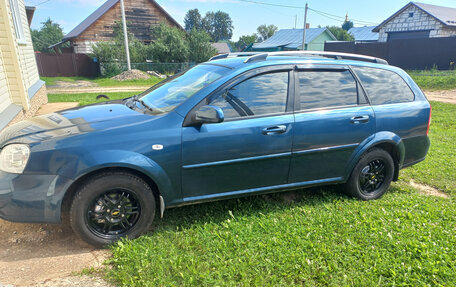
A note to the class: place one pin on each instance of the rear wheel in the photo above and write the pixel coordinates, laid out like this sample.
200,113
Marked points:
372,176
111,206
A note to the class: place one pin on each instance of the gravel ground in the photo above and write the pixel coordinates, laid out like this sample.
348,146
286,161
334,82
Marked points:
442,96
37,254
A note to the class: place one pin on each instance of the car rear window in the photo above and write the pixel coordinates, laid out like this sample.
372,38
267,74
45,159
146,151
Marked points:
323,89
383,86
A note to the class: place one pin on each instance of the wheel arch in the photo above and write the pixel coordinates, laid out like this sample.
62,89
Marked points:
73,188
388,141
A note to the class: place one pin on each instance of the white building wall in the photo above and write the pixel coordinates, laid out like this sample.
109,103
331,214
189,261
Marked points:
83,47
419,21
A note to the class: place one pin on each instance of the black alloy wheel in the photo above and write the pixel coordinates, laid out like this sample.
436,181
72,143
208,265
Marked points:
113,213
372,175
110,206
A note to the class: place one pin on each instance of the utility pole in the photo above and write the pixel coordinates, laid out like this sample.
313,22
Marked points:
124,24
305,26
296,20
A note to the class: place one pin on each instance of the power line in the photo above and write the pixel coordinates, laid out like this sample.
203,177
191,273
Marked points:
271,4
321,13
328,15
42,3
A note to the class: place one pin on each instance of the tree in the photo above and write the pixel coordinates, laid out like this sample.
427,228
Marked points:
112,53
170,44
265,31
193,20
208,24
218,25
340,33
223,28
200,49
50,33
245,41
138,50
347,25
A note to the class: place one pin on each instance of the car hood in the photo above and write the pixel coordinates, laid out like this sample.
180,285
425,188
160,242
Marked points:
71,122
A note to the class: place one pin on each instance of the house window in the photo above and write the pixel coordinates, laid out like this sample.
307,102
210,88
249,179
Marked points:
17,21
410,14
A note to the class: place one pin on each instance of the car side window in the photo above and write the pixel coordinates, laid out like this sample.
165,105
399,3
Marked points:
325,89
259,95
383,86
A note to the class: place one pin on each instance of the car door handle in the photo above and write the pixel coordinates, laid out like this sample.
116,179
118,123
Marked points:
359,119
275,130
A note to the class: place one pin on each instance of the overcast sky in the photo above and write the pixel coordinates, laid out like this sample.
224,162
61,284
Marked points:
246,16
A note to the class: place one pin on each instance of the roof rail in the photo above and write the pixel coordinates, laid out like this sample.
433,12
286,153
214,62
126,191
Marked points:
233,55
261,56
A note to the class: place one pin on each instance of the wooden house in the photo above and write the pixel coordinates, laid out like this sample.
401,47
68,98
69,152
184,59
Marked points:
21,90
141,15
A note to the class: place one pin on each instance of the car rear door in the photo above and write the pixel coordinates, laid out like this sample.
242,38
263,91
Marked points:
251,149
332,118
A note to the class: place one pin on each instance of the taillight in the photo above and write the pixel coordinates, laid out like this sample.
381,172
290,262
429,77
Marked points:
429,122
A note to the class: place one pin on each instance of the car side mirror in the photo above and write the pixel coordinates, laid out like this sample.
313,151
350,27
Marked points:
209,115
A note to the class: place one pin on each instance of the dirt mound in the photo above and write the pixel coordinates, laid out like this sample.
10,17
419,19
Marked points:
131,75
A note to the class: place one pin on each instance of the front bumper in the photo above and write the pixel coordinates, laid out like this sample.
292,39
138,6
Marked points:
32,198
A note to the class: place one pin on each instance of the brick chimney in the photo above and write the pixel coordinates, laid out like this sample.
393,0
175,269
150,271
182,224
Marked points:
307,25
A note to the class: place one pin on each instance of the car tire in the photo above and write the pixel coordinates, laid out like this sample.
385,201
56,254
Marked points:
110,206
372,175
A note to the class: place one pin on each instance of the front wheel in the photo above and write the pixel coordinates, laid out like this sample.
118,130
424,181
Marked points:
111,206
372,176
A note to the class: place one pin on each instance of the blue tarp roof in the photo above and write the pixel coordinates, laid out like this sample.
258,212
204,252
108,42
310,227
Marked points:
290,38
364,33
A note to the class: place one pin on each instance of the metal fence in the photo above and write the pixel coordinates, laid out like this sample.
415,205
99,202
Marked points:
66,65
410,54
109,69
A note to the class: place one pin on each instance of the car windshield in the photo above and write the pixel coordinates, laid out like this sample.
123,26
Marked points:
170,93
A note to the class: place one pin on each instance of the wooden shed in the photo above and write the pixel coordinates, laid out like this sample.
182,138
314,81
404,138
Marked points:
141,15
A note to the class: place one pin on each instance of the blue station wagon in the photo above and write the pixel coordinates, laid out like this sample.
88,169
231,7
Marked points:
239,124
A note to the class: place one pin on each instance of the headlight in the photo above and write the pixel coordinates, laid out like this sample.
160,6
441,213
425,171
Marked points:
14,157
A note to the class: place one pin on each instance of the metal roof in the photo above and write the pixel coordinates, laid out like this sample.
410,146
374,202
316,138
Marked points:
84,25
446,15
291,38
364,33
221,47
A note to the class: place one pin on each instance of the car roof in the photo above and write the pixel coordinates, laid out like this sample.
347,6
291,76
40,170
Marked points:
241,60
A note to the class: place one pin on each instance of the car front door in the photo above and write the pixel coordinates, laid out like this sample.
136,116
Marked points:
251,148
332,119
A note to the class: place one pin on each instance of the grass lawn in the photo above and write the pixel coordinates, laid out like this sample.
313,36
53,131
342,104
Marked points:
102,82
86,99
434,79
322,238
439,168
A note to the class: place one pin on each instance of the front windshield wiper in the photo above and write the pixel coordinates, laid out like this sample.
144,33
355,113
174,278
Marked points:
130,103
145,105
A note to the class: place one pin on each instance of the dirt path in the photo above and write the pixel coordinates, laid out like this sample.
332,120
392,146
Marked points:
96,90
37,254
442,96
44,254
